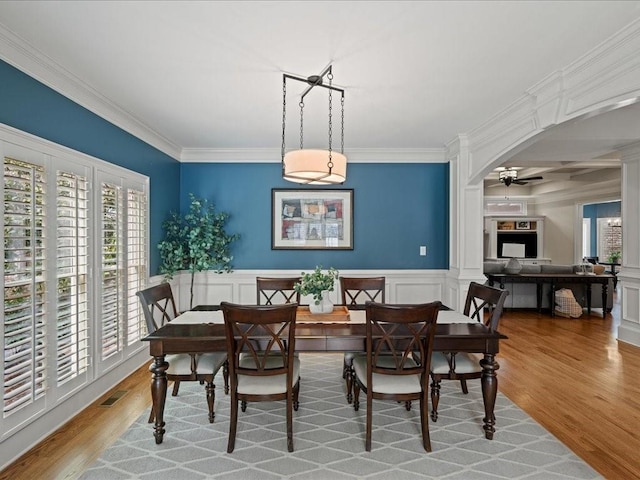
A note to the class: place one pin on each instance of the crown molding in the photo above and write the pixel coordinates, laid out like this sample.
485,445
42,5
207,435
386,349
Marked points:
21,55
18,53
273,155
605,78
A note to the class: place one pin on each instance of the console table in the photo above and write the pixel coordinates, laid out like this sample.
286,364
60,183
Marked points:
612,266
555,279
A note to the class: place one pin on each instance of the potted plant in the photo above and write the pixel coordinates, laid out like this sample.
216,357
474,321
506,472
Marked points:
316,283
196,241
614,257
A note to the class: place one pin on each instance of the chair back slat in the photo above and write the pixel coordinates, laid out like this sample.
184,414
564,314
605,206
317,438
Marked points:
276,291
481,298
158,306
397,334
359,290
263,335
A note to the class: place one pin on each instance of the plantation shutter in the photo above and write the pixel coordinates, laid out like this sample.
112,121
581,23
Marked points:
112,274
137,241
24,328
75,240
72,261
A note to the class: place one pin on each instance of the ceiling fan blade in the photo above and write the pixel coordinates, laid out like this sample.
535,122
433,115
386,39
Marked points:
520,181
528,179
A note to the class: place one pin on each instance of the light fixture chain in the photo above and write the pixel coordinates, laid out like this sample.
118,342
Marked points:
330,163
284,113
301,125
342,126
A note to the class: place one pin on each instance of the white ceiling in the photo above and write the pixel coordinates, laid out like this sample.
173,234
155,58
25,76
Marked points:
207,76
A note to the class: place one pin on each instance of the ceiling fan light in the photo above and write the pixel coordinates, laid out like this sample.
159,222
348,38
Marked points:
508,173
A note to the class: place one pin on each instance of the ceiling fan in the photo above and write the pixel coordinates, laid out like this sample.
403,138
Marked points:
510,175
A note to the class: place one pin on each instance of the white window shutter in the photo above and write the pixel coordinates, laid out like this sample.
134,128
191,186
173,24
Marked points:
25,320
72,262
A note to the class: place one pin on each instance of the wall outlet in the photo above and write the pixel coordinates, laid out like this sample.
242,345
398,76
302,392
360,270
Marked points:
423,250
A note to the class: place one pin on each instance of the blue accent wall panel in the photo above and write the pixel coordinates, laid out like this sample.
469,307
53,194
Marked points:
30,106
397,208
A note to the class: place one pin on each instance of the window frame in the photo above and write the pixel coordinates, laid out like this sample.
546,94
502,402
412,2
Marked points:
28,148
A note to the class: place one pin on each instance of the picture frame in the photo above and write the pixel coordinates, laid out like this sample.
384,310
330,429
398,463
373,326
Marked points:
523,225
311,219
502,225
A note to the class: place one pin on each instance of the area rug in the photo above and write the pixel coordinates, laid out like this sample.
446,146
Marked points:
329,439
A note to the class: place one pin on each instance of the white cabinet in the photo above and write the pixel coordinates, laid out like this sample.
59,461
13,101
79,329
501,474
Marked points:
525,234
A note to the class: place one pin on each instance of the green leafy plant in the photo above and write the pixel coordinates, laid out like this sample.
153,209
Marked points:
614,257
196,241
317,282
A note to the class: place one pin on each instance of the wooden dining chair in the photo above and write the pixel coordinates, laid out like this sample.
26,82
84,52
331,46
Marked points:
276,291
159,308
484,304
356,291
262,364
388,371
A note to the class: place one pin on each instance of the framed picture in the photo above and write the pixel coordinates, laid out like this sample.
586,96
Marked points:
523,225
312,219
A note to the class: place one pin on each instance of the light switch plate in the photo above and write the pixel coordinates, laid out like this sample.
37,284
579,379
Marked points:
423,250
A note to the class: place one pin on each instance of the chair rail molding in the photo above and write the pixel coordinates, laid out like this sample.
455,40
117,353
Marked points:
239,286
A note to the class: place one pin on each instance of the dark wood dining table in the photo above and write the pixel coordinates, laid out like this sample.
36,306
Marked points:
319,337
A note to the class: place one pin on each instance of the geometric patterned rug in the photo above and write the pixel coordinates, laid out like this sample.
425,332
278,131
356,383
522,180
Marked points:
328,438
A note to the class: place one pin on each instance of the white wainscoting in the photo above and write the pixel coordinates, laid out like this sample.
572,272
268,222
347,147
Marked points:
239,286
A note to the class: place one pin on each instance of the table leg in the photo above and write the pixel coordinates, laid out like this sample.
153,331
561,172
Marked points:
489,382
553,298
605,291
159,395
589,299
539,296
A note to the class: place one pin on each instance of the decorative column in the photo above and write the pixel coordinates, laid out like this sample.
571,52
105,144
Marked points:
467,225
629,276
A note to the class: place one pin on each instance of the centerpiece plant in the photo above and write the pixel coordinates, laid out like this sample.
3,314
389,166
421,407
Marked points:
196,241
316,283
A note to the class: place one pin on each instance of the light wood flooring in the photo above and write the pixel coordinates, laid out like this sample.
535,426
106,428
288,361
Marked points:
571,375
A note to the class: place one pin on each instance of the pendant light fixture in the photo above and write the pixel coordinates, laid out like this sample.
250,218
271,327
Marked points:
314,166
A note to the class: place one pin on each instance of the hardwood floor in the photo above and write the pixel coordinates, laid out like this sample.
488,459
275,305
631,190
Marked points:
579,382
571,375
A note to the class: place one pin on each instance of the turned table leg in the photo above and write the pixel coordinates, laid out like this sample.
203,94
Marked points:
489,382
159,395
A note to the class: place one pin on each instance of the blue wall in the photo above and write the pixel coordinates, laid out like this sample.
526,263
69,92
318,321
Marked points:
32,107
599,210
397,208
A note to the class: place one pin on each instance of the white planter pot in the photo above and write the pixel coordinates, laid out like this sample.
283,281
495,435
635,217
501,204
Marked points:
325,305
